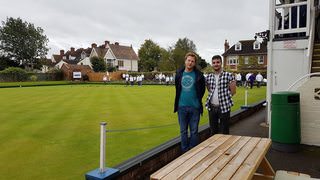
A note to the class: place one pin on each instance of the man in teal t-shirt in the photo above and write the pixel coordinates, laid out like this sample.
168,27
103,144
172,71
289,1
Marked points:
190,88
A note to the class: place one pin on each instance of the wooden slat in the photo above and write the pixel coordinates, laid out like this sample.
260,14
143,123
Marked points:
248,168
186,165
221,157
218,165
208,160
236,162
258,176
177,162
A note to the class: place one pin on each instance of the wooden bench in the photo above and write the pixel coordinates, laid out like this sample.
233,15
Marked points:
221,157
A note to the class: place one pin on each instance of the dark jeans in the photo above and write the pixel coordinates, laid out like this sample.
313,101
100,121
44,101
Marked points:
258,84
214,116
188,117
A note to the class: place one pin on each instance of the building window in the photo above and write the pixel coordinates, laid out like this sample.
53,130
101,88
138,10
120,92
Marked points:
233,61
260,60
120,64
238,46
256,45
109,63
246,60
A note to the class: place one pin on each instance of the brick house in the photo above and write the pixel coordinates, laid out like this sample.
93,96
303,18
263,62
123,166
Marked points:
245,56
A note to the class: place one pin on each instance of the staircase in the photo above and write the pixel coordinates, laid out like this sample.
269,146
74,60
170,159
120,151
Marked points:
315,67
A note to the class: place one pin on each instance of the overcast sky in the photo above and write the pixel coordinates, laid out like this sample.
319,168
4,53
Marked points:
78,23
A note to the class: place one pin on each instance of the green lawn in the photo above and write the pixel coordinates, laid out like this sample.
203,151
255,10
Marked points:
52,132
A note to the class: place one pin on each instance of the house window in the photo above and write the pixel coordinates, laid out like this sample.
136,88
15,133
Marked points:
233,61
256,45
109,62
120,64
246,60
260,60
238,46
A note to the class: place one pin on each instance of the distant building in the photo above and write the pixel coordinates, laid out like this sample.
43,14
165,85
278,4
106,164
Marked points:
115,55
245,56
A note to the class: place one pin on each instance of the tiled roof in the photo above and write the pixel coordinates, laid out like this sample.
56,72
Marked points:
123,52
246,49
101,51
71,61
57,57
88,51
47,62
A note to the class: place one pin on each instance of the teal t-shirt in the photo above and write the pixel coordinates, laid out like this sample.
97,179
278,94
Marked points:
188,96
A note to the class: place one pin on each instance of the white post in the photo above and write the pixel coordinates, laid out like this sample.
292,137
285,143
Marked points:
102,146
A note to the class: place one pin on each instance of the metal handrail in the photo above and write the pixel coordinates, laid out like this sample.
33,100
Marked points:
301,78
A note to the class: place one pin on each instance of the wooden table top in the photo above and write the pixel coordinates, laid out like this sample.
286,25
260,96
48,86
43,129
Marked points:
219,157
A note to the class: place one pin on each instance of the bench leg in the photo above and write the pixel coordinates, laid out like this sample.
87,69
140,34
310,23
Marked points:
267,170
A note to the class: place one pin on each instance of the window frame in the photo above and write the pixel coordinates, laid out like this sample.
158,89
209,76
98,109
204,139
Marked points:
256,43
260,59
238,46
120,63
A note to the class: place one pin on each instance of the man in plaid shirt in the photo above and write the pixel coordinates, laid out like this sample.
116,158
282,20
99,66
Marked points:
221,86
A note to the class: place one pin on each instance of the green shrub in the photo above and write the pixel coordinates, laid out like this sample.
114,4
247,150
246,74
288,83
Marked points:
14,74
55,74
33,78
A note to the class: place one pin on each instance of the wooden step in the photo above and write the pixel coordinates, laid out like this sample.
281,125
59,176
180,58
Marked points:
316,57
315,69
316,63
316,51
316,46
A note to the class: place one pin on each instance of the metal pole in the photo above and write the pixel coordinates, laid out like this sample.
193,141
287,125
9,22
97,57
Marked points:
102,146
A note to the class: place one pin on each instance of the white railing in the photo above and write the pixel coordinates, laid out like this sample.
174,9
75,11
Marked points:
287,18
301,78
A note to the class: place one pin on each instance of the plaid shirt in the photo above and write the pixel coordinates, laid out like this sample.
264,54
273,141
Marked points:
224,93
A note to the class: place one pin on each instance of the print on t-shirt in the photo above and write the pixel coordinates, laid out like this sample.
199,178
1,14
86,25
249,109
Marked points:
187,82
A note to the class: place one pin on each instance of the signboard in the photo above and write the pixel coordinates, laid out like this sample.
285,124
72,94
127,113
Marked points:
76,75
290,44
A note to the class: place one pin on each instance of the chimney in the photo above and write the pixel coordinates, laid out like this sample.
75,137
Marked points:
106,43
93,45
116,43
61,52
72,49
226,45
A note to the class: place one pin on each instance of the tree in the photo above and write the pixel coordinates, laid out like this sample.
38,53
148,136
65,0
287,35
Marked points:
181,48
202,63
6,62
166,62
149,55
98,64
22,42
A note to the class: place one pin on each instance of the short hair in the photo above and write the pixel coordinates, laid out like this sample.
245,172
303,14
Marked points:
192,54
216,57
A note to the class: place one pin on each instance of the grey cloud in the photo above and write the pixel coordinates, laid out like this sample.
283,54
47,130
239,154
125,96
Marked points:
79,23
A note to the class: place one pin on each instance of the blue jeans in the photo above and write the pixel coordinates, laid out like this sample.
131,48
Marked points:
188,117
